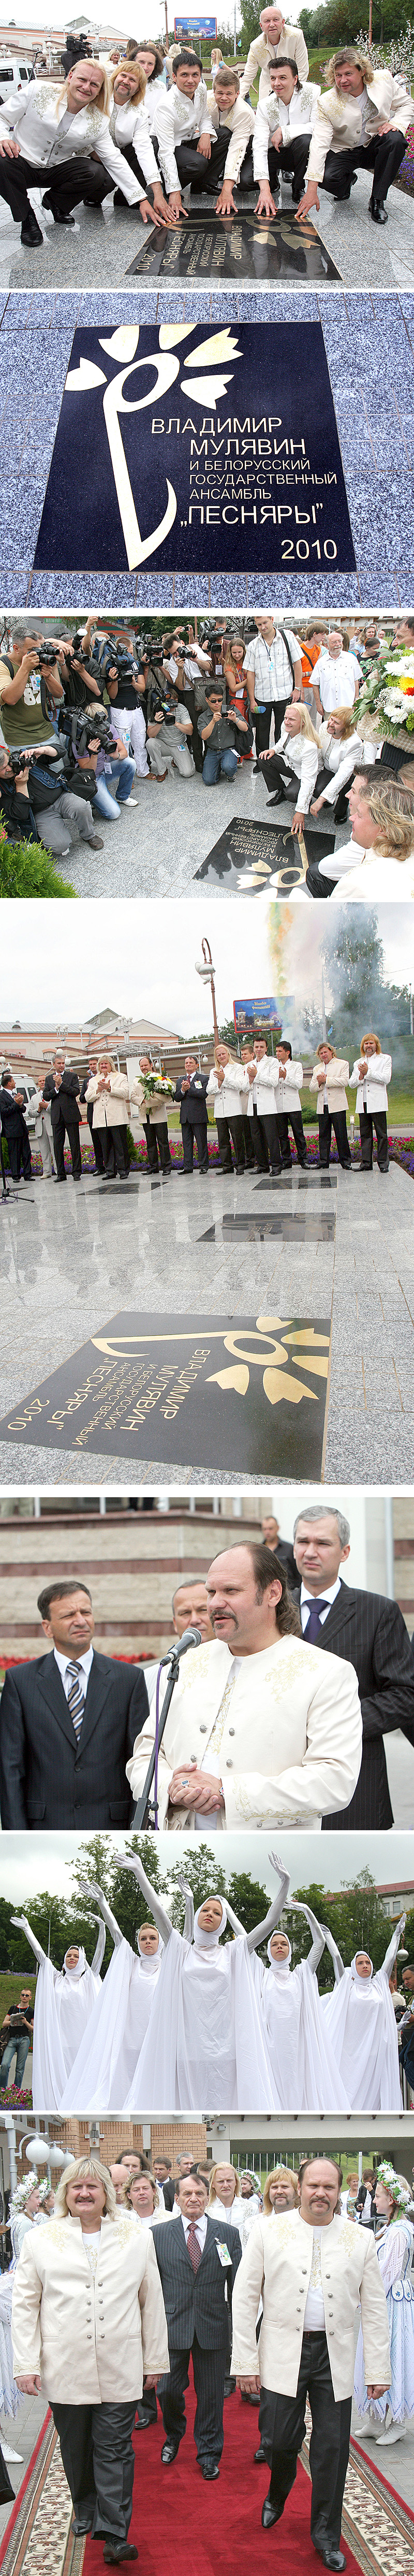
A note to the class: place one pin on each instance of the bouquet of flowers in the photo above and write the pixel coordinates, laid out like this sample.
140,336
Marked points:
389,696
156,1086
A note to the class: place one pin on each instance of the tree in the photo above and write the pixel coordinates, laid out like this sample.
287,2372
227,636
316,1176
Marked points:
249,1900
205,1874
355,1916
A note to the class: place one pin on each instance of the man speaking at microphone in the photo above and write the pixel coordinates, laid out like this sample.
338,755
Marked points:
261,1729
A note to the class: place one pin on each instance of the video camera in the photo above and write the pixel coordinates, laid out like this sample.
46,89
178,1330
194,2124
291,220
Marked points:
83,725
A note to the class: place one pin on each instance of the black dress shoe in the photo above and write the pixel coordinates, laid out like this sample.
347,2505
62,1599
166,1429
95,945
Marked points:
377,210
331,2557
270,2513
169,2453
260,2456
210,2468
30,232
142,2421
116,2550
59,216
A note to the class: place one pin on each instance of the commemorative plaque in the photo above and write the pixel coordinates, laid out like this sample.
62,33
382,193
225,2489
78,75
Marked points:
254,858
241,1392
229,248
319,1228
197,449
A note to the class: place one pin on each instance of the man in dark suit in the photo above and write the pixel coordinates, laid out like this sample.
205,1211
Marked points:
280,1546
190,1090
94,1136
370,1632
13,1128
197,2257
61,1087
67,1726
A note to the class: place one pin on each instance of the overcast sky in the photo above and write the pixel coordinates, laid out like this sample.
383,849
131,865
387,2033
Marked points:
31,1863
133,17
137,957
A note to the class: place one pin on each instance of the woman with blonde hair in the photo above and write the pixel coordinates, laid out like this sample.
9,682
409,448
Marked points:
60,127
88,2321
371,1073
131,132
381,811
228,1088
109,1091
296,754
342,747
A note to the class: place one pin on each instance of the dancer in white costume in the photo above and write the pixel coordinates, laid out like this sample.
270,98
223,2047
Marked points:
205,2048
394,2248
306,2075
362,2027
106,2063
64,2001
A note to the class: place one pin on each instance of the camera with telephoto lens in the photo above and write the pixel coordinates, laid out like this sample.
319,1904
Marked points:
19,760
85,725
47,658
124,662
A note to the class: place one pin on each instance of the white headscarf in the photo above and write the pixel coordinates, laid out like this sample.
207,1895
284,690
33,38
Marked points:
107,2057
64,2001
362,2027
80,1965
150,1960
363,1984
206,2043
209,1940
305,2069
280,1967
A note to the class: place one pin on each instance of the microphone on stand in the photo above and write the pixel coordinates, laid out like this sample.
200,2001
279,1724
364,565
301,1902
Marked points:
190,1637
146,1813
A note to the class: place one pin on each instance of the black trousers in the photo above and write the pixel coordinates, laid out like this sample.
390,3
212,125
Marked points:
276,773
65,182
205,177
291,1118
19,1154
96,1141
383,155
115,1150
276,707
259,1144
282,2431
249,1142
368,1119
270,1142
157,1141
335,1119
192,1136
98,2460
208,2373
71,1130
230,1131
293,155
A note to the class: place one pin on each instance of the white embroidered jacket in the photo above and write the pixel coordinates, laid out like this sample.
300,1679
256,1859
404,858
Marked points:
178,120
290,1747
261,55
338,124
297,118
276,2265
46,137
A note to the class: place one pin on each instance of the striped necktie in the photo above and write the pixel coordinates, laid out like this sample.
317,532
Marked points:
75,1697
193,2248
313,1626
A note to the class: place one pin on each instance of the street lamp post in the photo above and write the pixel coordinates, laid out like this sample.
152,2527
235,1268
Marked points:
207,975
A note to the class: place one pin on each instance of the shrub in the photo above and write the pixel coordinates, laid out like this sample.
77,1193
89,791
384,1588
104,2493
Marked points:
26,869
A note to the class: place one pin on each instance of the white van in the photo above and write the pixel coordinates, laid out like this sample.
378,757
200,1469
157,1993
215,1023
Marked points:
13,75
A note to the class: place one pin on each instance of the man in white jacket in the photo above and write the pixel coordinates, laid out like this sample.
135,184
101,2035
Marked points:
361,124
313,2270
276,37
263,1077
254,1737
57,130
183,134
282,130
290,1086
233,120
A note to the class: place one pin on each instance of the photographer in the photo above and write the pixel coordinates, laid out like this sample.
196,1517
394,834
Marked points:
219,734
169,733
29,687
79,680
16,2038
13,1127
96,752
189,669
123,683
41,806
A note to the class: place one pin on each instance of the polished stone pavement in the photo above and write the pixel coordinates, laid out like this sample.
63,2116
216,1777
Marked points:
104,242
157,845
68,1265
369,343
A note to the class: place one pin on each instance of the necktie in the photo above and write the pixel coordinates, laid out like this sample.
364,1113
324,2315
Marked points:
193,2248
313,1628
76,1698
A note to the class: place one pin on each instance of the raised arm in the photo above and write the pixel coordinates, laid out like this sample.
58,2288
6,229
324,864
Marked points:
318,1942
88,1887
332,1946
189,1906
96,1962
126,1861
262,1931
393,1945
21,1925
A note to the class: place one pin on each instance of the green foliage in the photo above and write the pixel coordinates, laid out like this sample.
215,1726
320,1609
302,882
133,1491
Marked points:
409,1935
27,870
355,1914
355,1917
361,996
250,23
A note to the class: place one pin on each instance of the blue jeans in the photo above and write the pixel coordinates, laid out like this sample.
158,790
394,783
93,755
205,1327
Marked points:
20,2049
215,760
104,803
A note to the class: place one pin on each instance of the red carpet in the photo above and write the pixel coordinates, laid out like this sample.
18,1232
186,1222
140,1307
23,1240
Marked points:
179,2522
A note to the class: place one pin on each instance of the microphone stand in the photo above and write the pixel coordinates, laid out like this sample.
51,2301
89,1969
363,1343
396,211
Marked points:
146,1813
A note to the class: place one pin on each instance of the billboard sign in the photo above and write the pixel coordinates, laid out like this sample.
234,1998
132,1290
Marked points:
184,27
249,1017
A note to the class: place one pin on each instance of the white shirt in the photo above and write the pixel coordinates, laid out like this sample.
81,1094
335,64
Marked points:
200,2225
328,1594
271,666
336,680
178,120
314,2315
84,1663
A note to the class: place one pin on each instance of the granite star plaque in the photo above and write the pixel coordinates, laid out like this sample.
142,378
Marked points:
240,1392
197,449
253,858
229,248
